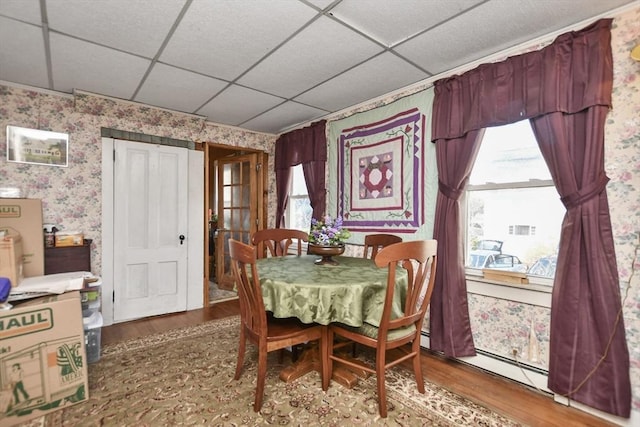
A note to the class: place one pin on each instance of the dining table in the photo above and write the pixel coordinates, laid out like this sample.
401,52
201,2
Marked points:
352,292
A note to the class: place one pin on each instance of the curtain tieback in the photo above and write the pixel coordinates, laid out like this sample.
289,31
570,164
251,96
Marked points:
587,192
449,192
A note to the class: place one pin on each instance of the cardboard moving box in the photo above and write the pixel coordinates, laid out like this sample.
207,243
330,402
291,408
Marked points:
25,217
11,258
43,364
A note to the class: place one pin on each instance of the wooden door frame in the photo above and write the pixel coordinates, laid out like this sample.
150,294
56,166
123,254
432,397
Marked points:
213,152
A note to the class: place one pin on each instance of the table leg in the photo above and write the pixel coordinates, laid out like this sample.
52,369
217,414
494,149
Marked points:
309,360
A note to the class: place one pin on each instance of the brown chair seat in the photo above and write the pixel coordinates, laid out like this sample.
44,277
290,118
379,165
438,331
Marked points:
266,332
402,333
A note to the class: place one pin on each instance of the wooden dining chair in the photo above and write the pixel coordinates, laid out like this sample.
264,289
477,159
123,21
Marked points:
278,241
402,333
268,334
375,242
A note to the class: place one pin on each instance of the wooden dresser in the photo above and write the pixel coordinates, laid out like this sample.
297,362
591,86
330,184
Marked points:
69,258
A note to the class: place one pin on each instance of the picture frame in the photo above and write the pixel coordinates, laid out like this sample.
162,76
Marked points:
38,147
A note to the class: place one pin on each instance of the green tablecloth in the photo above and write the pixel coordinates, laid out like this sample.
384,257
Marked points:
351,292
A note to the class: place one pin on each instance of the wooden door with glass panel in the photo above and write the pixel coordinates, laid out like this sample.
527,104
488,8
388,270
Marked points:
239,185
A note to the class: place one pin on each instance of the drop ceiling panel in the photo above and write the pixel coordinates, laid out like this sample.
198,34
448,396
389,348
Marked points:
137,27
384,72
282,117
321,4
184,90
23,10
22,57
491,28
237,104
86,66
237,61
225,38
321,51
390,24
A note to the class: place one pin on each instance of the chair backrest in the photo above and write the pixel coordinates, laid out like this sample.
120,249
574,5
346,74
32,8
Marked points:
419,258
278,241
243,264
375,242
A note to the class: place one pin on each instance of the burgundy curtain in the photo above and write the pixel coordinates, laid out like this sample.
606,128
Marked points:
565,89
586,309
283,177
450,326
306,146
314,176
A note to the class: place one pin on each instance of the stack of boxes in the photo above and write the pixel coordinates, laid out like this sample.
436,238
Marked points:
42,359
43,362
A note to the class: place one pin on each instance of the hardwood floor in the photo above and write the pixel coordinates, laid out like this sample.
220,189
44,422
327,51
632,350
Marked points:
510,398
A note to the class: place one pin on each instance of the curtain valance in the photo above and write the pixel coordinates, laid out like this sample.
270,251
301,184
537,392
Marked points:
522,87
299,146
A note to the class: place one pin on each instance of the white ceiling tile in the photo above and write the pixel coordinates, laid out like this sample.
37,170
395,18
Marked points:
22,57
23,10
282,117
327,54
375,77
138,26
321,4
225,38
491,28
85,66
237,104
389,24
183,90
318,53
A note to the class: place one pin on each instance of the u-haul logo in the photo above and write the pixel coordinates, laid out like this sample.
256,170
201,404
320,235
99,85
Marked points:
10,211
26,323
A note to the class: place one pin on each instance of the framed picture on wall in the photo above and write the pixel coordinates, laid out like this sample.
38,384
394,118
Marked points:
38,147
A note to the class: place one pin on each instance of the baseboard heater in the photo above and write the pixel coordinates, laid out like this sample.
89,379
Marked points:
526,374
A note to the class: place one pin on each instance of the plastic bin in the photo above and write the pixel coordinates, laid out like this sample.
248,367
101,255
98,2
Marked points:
92,332
90,307
90,298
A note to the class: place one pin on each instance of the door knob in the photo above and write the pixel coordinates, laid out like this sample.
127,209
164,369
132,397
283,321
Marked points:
181,237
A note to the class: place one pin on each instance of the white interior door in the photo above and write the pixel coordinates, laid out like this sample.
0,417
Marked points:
150,230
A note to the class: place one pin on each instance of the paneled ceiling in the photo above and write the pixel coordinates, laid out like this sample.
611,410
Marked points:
264,65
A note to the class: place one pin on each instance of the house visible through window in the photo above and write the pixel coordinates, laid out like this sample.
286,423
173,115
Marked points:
299,210
514,213
522,230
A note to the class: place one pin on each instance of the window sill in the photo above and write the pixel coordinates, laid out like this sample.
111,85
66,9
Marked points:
535,293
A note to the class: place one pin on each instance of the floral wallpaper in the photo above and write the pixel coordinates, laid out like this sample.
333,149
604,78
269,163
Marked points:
622,164
72,196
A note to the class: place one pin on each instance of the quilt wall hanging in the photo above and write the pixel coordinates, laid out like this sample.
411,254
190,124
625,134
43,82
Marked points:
382,173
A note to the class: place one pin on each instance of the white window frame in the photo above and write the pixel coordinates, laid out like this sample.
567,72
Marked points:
293,197
536,283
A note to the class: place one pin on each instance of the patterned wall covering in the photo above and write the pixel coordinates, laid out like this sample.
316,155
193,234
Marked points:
72,196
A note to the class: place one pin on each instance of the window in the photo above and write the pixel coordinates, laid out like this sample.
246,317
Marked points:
299,211
522,230
513,210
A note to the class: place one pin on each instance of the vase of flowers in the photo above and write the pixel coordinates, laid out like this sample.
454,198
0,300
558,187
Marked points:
326,238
